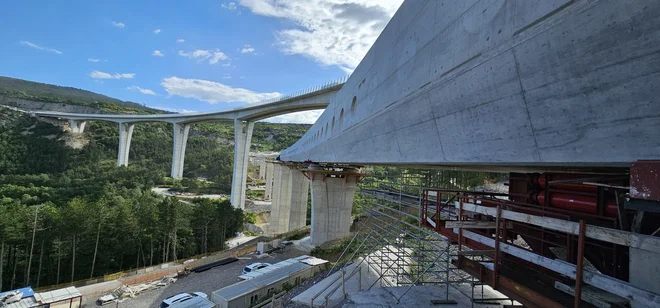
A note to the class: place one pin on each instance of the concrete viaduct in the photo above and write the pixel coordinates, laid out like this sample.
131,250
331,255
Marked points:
501,85
244,119
469,84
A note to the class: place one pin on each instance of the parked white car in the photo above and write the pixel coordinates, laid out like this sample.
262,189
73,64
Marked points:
255,266
172,300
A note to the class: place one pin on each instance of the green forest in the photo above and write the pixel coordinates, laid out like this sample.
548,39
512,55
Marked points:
68,214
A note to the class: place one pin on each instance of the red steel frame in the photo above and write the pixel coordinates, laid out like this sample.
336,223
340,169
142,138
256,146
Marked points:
444,204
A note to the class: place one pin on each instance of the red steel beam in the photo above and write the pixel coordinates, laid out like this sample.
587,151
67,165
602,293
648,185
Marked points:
507,286
578,269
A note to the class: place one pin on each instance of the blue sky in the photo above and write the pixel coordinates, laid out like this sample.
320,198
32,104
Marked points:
192,55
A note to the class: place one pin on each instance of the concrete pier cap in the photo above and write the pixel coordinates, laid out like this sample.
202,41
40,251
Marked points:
333,191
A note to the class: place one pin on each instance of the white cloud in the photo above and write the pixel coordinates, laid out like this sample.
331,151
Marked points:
94,60
331,32
143,91
35,46
306,117
247,49
119,25
226,64
173,109
157,31
226,76
212,92
103,75
180,40
157,53
202,55
231,6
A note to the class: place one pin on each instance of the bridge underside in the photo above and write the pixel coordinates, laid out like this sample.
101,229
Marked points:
500,83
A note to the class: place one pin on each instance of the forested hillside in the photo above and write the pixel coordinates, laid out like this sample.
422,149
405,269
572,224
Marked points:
36,91
69,214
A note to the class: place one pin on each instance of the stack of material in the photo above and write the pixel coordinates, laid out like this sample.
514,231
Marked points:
132,291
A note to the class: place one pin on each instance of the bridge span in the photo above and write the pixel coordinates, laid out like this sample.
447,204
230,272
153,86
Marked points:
244,118
494,83
500,83
533,85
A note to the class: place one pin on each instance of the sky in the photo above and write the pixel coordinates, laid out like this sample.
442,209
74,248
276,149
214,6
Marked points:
185,56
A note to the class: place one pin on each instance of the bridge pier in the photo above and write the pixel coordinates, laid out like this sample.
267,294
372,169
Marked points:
262,170
125,135
180,138
299,194
332,203
281,205
268,194
77,126
289,207
242,140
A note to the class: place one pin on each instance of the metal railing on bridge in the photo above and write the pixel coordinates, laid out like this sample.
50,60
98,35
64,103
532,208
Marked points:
304,92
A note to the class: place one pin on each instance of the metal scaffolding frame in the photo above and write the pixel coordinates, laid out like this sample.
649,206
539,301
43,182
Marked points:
390,239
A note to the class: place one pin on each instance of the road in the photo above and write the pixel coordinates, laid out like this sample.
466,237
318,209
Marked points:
164,191
207,282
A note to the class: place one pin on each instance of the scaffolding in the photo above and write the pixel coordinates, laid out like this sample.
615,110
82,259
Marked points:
431,227
392,242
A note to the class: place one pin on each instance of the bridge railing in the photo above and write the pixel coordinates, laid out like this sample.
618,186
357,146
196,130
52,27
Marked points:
304,92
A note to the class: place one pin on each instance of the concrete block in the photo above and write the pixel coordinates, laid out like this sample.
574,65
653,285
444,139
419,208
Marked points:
644,272
261,248
275,243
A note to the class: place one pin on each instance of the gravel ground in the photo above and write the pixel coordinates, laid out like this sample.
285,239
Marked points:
207,282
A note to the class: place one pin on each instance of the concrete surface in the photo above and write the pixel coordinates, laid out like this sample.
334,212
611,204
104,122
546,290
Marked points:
311,99
367,270
417,296
262,170
332,203
281,206
77,127
505,83
644,272
180,139
359,281
299,196
270,169
304,244
242,140
125,136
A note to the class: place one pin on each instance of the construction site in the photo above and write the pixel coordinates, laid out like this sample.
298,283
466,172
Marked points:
427,237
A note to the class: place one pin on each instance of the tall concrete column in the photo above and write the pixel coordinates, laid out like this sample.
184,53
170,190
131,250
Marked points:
332,202
281,205
242,140
262,170
180,138
268,194
299,193
77,126
125,135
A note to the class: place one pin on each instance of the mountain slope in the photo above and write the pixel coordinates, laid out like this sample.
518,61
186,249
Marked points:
41,92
